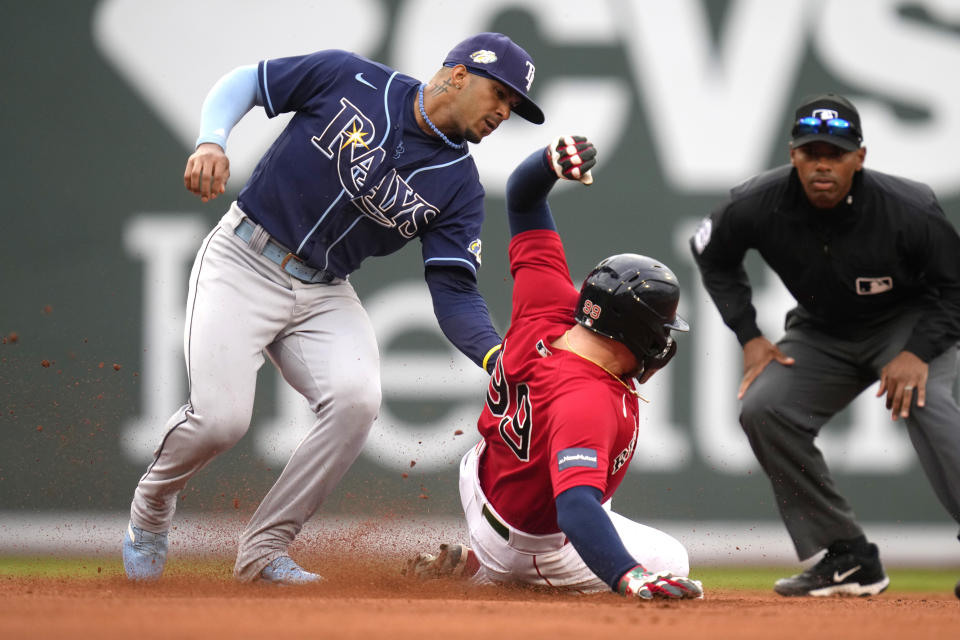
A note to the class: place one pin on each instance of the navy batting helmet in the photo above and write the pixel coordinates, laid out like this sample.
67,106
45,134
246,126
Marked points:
632,299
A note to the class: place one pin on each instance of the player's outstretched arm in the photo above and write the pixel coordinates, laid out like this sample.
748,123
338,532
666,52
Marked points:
585,522
208,167
462,314
530,183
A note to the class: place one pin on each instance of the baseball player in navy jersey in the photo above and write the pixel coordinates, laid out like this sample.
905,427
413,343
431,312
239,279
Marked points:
370,160
560,422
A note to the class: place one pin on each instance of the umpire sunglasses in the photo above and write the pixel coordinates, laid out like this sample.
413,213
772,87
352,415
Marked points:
835,126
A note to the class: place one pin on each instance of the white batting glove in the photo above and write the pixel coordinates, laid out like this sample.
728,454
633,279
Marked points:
640,583
572,157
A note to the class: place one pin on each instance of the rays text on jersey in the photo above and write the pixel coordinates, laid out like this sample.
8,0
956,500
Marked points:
373,185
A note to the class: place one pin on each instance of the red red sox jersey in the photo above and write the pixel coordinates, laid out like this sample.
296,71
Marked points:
552,419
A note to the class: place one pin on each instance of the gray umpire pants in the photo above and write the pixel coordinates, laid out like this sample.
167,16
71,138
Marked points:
785,407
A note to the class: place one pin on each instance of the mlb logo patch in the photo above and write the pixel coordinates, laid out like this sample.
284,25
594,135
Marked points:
873,286
825,114
542,349
576,457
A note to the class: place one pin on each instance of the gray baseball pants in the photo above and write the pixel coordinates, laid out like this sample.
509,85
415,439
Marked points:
241,305
785,407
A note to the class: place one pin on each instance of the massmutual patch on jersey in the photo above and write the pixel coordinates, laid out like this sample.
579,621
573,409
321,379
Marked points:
873,286
577,458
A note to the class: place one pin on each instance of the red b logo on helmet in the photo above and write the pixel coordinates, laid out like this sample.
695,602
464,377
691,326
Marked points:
591,310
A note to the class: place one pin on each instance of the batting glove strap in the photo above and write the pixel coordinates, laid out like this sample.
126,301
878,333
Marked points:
572,157
640,583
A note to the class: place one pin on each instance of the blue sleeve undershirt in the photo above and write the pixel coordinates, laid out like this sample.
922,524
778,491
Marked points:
227,102
462,312
527,190
585,522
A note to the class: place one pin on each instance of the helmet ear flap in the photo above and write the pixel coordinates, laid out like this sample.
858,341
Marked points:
652,364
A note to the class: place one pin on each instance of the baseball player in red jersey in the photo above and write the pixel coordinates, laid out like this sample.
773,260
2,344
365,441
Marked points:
561,417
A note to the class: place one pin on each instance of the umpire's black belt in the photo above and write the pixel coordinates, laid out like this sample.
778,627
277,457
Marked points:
292,264
498,526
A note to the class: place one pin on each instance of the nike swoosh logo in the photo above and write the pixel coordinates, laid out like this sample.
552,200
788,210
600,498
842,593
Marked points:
359,78
840,577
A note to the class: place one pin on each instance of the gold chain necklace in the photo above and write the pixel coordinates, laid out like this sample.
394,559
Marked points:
570,348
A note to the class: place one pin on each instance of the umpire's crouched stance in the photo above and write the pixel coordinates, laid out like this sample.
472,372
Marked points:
872,262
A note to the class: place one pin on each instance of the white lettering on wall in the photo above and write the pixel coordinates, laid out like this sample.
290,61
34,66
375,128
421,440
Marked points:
716,108
713,108
166,245
887,57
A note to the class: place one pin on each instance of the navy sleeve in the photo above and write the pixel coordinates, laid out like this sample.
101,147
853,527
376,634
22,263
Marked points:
583,520
527,190
461,311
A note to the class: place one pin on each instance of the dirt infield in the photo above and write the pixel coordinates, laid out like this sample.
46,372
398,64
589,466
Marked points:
367,598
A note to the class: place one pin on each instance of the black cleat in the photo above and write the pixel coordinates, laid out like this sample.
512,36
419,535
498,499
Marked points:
843,573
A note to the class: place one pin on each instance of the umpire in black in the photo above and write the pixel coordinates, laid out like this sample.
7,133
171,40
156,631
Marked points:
874,266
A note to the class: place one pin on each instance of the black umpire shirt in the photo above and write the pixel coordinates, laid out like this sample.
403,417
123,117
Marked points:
887,247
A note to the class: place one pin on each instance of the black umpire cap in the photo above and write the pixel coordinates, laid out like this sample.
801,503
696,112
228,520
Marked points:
827,117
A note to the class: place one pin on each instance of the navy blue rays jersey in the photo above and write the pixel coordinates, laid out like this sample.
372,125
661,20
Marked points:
352,175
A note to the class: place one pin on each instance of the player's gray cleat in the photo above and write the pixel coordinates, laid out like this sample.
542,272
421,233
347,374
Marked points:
839,573
284,571
144,553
